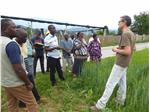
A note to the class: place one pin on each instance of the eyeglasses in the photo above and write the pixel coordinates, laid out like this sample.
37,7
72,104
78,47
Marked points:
121,21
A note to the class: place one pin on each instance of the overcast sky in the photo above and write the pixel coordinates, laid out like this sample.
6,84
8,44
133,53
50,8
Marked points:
87,12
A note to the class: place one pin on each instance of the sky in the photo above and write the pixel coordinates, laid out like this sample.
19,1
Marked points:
86,12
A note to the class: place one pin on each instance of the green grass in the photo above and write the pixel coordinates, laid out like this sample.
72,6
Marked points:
77,95
114,40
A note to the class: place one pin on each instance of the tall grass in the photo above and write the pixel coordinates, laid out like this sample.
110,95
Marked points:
76,95
94,78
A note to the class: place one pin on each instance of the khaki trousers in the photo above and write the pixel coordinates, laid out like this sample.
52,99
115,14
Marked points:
14,94
67,62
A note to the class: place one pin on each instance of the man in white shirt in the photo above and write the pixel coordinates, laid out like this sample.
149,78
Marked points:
53,54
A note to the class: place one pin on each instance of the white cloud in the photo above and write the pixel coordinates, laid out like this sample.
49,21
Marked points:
88,12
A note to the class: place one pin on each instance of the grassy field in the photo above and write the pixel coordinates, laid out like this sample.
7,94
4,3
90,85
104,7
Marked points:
114,40
77,95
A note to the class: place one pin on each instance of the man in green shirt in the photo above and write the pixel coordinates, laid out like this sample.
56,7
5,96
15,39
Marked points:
118,74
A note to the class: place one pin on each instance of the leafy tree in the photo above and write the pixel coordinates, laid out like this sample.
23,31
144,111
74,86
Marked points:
99,32
29,30
113,32
141,23
119,32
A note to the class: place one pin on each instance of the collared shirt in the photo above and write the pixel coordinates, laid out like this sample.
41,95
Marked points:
30,53
51,42
66,44
29,47
23,51
26,59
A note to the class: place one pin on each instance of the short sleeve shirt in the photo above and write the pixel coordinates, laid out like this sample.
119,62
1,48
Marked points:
66,44
40,49
127,39
82,51
13,53
51,42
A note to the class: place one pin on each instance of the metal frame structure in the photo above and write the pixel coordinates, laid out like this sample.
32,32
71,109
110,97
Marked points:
51,22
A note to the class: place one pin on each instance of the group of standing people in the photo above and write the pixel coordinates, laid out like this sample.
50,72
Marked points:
81,51
75,52
18,65
19,60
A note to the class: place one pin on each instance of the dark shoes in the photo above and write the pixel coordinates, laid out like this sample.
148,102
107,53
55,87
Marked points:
47,70
54,84
62,79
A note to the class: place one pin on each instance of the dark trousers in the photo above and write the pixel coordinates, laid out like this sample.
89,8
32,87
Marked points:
54,65
77,66
47,65
41,63
34,91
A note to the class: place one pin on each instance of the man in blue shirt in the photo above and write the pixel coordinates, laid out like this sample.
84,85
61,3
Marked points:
14,78
38,44
67,45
